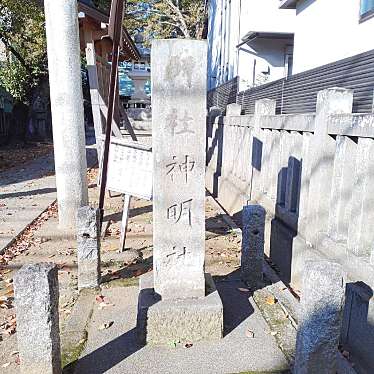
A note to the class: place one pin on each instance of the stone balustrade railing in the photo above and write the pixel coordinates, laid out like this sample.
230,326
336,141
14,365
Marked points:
314,175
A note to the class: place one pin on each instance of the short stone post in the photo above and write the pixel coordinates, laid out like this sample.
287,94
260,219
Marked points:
329,101
88,239
36,299
253,244
64,66
262,107
322,298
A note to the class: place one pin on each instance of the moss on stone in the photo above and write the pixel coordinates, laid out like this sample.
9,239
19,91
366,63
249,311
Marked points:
70,356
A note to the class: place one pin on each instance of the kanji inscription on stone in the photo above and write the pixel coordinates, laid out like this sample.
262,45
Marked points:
179,121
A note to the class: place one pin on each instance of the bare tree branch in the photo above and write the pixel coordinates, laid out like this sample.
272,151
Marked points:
14,52
180,16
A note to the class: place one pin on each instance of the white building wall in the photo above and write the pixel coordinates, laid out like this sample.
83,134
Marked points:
229,22
328,31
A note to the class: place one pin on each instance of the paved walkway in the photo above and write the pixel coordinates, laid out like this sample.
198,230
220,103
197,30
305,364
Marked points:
26,192
248,345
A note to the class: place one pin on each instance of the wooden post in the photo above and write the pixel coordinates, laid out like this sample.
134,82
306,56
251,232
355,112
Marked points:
125,218
94,88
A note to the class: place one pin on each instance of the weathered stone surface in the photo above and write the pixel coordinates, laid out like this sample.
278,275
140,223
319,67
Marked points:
360,231
330,101
233,109
88,239
65,81
173,321
253,244
36,299
292,194
262,107
357,335
179,129
342,186
320,318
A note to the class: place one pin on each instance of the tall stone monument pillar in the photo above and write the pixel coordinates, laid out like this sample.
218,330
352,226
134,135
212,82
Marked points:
179,75
65,82
179,113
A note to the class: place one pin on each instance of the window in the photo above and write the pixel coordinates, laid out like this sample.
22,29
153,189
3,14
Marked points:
366,9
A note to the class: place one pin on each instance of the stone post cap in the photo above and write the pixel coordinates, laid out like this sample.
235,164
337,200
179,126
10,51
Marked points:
324,273
253,209
29,272
265,107
337,89
87,220
233,109
338,99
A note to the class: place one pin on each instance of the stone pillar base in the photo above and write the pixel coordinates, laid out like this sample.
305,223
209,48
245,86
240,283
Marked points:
165,322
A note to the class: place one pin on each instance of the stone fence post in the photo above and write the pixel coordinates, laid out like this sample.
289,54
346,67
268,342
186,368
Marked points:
253,244
262,107
329,101
36,299
233,110
322,298
88,247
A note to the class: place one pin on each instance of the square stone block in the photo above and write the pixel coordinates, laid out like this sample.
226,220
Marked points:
164,322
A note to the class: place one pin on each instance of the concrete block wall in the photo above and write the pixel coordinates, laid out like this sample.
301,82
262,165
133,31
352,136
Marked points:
314,174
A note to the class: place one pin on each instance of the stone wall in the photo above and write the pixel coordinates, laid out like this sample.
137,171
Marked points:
314,175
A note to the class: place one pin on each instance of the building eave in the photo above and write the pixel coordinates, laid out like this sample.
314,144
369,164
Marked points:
130,51
256,35
288,4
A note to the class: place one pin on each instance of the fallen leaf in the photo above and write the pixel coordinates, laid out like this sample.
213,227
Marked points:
106,325
271,300
345,354
99,298
103,305
241,289
249,334
14,353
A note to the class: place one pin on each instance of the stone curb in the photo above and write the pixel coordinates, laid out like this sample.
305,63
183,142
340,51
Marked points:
74,330
287,307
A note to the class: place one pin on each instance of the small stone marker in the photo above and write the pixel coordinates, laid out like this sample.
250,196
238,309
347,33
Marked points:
88,238
253,244
179,129
321,311
36,299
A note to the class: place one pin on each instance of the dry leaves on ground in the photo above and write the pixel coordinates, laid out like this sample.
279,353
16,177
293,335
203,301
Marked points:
10,157
249,334
271,300
106,325
9,326
26,239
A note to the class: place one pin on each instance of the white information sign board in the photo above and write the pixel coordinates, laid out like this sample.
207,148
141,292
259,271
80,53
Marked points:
130,168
